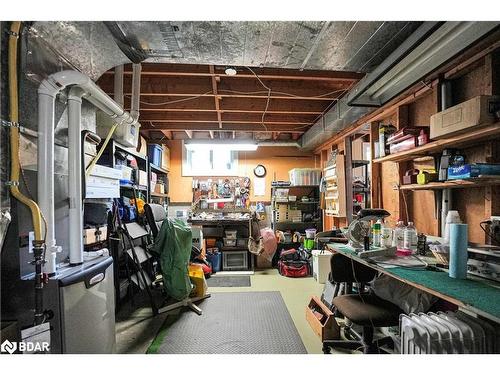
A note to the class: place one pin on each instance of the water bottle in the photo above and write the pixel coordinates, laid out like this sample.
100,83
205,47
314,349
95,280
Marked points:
398,235
410,237
377,227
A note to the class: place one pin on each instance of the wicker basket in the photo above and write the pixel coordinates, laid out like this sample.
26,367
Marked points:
442,258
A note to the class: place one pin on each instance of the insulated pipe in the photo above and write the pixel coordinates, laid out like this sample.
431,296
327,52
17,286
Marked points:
47,93
74,176
118,85
136,90
446,194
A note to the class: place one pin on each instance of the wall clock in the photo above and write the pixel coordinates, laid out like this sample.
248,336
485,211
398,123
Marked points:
260,171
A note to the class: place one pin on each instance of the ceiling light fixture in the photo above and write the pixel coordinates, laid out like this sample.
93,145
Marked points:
232,145
230,71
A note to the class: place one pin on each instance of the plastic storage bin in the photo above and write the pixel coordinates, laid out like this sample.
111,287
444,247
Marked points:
304,176
321,265
154,154
215,260
230,242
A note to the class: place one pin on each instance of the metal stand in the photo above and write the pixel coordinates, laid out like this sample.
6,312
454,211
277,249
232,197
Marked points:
188,302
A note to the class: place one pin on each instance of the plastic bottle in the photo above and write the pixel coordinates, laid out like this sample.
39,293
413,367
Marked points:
377,228
410,237
398,235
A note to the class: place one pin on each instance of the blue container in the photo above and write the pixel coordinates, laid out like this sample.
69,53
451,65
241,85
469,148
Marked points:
154,154
458,251
215,260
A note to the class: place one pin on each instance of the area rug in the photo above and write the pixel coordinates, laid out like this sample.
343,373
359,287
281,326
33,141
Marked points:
232,323
228,281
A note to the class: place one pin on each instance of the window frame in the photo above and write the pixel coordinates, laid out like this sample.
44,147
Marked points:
186,170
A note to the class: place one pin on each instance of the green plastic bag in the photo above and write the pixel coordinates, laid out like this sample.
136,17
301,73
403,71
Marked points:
173,247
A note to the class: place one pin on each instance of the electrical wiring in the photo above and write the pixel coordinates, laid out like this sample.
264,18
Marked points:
173,101
268,96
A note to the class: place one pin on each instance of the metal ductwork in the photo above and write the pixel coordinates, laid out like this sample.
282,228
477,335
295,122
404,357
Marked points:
429,47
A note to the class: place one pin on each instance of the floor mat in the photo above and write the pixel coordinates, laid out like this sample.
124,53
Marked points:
232,323
228,281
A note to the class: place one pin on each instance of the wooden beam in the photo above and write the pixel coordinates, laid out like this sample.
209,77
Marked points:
311,113
234,95
167,133
337,77
189,133
188,121
216,97
211,133
214,126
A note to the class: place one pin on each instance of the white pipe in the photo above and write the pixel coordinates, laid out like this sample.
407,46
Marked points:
136,90
45,185
74,176
118,86
47,93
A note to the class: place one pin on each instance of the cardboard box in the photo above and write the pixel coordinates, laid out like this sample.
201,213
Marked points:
159,188
477,111
165,158
143,178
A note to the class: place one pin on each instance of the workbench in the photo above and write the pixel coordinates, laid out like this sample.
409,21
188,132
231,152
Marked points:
474,294
215,228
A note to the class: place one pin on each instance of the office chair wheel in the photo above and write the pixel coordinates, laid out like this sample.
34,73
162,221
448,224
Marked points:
326,349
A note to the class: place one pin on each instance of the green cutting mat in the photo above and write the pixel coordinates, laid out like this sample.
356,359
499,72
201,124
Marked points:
477,294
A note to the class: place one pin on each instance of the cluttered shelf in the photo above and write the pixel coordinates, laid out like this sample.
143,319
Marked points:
159,195
136,187
158,169
434,147
454,184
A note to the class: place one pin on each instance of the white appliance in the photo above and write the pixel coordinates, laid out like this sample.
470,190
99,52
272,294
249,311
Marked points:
447,333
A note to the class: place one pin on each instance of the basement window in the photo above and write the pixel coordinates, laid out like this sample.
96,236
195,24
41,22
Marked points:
209,161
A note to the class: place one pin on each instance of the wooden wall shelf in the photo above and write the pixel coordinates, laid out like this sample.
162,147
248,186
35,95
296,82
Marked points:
455,184
435,147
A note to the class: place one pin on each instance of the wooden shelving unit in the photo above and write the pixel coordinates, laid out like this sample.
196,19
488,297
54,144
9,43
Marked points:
466,139
335,196
455,184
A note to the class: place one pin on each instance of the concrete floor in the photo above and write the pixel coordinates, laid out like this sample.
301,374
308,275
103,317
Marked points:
136,328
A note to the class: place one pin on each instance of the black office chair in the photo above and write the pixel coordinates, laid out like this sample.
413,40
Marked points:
363,309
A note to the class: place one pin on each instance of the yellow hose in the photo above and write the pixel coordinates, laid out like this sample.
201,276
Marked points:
15,166
96,158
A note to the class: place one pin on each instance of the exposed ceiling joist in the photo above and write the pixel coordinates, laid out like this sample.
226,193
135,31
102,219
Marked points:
214,126
243,95
216,98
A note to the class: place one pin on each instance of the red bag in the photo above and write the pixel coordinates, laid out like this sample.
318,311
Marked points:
293,269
